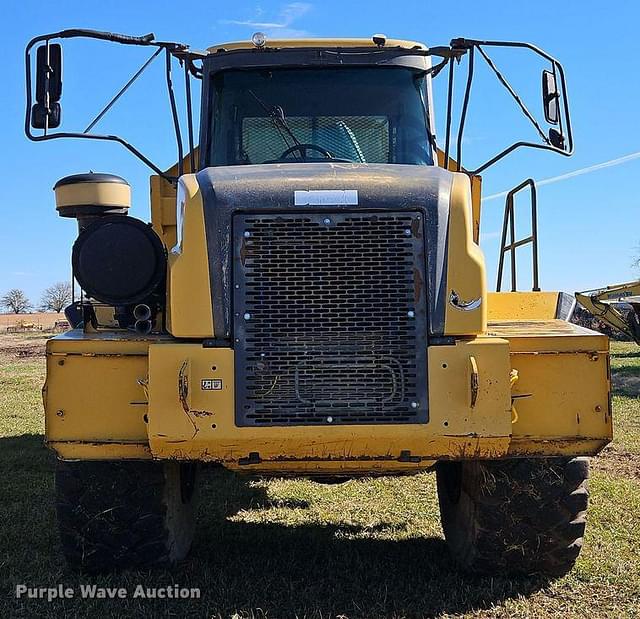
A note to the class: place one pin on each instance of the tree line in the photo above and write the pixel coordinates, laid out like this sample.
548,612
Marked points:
54,299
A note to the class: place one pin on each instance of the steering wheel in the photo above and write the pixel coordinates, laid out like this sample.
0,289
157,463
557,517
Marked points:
303,148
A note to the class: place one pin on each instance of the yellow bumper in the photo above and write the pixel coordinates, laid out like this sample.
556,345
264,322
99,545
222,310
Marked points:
112,397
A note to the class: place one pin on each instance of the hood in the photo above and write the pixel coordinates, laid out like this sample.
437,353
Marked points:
320,187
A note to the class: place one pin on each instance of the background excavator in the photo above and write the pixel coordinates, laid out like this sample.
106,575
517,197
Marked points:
617,306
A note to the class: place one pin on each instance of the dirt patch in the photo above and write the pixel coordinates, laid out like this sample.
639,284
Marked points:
30,351
617,463
23,345
38,321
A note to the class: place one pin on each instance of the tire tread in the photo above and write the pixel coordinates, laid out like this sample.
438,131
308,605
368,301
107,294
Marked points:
114,515
515,516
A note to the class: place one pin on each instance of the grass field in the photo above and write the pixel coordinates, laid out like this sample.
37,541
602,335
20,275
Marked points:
365,549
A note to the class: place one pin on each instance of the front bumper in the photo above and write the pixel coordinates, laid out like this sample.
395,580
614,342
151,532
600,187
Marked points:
109,396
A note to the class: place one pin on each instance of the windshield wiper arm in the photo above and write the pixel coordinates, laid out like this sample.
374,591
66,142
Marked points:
276,113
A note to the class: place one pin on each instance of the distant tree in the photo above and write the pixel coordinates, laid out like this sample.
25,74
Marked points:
16,301
55,298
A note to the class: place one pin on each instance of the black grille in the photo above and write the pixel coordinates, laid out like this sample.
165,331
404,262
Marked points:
330,319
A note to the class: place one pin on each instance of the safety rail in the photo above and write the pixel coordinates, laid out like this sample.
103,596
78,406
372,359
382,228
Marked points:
508,224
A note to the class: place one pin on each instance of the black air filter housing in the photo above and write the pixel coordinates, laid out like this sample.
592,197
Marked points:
119,260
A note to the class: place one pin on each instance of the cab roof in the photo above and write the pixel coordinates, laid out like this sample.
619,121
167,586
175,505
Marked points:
322,43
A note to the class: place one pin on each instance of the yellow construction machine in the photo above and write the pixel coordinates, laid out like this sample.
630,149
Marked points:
310,299
617,305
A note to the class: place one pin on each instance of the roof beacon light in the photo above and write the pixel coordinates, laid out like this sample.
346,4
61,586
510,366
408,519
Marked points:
379,39
259,39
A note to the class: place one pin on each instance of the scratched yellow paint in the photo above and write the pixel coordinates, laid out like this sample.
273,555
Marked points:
466,272
189,305
522,305
111,417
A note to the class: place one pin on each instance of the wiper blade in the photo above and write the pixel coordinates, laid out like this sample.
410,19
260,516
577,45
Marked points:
276,113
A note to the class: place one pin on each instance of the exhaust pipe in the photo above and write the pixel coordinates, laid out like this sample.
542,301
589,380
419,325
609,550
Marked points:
142,312
143,327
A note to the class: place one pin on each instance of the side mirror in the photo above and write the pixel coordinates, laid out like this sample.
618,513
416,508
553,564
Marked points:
46,111
557,139
550,97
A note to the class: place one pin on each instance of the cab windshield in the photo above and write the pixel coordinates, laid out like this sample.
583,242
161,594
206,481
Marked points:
359,115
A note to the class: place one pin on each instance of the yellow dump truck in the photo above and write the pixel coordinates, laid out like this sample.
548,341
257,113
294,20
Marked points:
310,299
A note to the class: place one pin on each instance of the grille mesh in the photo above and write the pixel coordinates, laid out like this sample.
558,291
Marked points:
329,319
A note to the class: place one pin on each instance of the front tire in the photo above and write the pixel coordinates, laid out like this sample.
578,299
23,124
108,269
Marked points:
523,516
115,515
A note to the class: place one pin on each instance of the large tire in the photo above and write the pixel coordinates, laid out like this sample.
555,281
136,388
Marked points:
124,514
521,516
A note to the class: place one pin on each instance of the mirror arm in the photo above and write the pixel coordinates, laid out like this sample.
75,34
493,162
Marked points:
179,50
452,61
515,146
461,45
108,138
187,96
174,114
555,65
514,95
124,89
465,107
40,138
193,69
147,39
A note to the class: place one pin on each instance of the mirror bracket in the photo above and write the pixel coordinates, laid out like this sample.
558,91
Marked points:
557,139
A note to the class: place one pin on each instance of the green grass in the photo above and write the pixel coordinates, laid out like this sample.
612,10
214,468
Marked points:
625,368
294,548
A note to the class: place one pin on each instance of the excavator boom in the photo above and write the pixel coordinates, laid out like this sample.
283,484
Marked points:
605,303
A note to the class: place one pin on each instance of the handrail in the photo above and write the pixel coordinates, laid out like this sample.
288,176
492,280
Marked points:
509,222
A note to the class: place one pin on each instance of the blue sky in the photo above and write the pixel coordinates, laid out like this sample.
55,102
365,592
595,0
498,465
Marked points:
589,223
